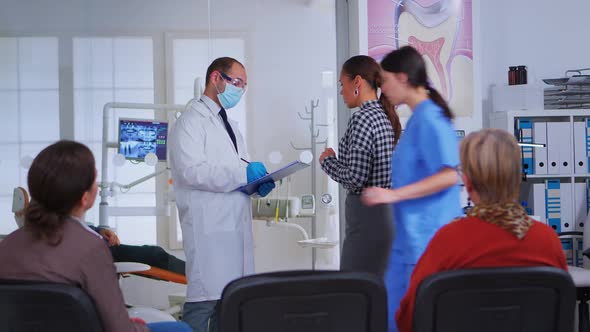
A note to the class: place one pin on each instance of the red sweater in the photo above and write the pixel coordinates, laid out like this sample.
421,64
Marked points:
473,243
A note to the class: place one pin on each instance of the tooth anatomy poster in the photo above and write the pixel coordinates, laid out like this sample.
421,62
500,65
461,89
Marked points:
441,30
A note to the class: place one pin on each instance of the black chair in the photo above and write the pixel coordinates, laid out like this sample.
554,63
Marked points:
310,301
46,307
496,299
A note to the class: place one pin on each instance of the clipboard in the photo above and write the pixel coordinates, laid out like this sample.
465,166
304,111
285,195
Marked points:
282,172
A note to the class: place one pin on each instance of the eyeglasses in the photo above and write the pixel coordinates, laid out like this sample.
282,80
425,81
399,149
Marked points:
237,82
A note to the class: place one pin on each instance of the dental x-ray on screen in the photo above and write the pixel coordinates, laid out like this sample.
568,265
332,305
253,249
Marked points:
137,138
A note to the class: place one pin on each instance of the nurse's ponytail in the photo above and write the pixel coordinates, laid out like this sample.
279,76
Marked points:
391,111
440,101
407,60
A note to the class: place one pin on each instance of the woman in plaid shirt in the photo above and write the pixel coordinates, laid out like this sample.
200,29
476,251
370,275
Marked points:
364,161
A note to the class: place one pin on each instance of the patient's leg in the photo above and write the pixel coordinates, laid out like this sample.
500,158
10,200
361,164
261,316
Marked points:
151,255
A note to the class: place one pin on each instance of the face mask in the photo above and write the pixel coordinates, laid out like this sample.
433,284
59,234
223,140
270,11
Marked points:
231,96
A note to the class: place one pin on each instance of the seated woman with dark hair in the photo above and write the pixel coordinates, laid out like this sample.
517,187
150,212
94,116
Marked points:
497,232
55,245
173,269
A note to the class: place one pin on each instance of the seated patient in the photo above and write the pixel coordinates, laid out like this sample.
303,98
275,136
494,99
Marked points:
497,232
150,255
55,246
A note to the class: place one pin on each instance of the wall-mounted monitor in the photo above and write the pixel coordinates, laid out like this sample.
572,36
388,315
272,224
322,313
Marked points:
138,137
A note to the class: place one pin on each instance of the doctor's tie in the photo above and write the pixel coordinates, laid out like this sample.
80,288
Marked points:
228,128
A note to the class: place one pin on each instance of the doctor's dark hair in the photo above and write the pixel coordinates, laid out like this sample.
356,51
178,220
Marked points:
222,64
408,61
367,68
58,178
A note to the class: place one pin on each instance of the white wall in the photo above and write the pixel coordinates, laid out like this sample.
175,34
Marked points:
547,36
290,42
287,78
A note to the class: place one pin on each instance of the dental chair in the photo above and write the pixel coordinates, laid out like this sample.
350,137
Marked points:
42,306
20,200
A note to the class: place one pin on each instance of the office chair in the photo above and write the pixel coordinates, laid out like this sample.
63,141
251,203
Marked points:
310,301
496,299
40,306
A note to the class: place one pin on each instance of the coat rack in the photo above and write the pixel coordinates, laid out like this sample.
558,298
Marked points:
314,134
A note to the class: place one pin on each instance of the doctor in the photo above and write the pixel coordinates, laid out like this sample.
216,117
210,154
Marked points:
208,154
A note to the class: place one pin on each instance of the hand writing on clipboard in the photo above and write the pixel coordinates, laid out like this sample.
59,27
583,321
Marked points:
291,168
247,162
255,171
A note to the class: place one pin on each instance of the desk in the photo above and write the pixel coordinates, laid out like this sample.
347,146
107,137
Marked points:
581,279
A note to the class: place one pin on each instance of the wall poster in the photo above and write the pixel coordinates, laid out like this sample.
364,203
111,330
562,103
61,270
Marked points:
441,30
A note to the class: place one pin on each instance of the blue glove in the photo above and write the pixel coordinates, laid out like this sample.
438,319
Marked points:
255,170
265,188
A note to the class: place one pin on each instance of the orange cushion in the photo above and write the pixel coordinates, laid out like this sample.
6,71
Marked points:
161,274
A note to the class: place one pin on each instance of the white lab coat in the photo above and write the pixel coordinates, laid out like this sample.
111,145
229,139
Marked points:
216,222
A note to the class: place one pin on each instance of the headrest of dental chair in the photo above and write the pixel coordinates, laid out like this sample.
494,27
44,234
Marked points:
311,301
41,306
20,200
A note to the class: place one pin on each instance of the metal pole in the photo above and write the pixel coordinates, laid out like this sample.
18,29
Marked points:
342,54
313,181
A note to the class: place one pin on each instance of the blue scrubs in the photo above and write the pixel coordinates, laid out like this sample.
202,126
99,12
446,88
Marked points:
428,145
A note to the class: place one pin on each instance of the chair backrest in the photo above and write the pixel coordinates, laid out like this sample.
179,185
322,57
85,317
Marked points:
310,301
496,299
34,306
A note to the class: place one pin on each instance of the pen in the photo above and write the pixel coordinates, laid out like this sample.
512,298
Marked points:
247,162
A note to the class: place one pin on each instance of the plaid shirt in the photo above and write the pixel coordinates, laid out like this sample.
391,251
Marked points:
365,151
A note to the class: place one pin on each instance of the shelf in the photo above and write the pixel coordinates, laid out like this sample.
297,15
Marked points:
540,176
565,139
544,113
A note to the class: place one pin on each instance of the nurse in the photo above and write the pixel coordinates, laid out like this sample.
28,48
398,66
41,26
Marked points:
425,194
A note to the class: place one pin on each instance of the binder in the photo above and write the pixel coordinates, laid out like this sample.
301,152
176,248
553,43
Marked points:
525,135
553,147
579,252
587,121
567,219
581,205
568,250
565,147
553,204
580,148
538,199
540,153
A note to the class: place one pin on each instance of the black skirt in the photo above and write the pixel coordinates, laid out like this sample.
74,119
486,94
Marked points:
368,237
